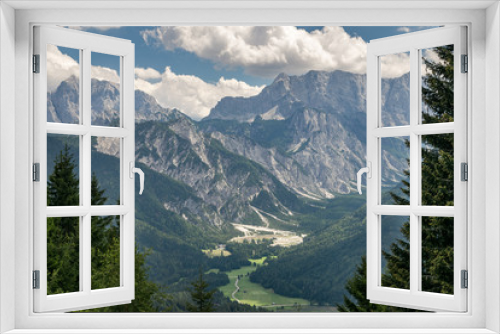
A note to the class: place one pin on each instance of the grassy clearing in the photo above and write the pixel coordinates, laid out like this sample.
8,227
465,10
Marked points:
253,293
216,252
259,261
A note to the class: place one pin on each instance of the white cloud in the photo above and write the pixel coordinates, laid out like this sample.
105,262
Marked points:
267,51
431,56
190,94
404,29
147,73
104,73
60,67
395,65
187,93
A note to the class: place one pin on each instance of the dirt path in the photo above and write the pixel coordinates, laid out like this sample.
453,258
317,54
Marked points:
233,295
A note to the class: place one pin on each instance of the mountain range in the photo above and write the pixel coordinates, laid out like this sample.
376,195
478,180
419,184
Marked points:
303,134
287,156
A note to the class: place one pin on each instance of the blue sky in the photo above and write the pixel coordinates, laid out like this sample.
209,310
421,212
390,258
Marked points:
192,68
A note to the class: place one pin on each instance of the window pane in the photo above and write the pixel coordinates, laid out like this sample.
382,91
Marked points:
437,170
437,84
63,255
63,159
105,252
63,85
395,251
105,171
395,155
437,254
105,89
395,89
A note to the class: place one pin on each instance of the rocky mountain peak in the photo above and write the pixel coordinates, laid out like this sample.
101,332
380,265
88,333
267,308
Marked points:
63,104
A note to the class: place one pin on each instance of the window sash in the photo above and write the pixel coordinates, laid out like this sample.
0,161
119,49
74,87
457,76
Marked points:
85,298
414,298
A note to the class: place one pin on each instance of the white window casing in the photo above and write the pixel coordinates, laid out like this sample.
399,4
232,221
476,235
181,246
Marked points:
482,312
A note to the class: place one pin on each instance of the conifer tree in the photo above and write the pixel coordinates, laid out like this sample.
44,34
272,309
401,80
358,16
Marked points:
63,232
356,286
200,295
63,187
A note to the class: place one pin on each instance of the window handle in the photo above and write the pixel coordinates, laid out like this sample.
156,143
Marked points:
134,170
368,171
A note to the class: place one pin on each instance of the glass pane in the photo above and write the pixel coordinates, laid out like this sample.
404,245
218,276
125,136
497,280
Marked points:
437,169
105,89
63,160
105,252
63,255
395,155
395,251
437,84
63,85
395,89
437,254
105,171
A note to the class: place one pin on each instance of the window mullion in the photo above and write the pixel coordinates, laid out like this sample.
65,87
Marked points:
414,171
85,236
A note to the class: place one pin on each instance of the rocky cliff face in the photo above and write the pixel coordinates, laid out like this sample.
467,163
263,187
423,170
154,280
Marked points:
226,183
336,92
310,130
63,104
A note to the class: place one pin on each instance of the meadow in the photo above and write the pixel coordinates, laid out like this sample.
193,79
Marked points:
253,293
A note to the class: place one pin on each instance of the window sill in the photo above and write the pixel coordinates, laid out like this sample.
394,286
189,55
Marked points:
251,331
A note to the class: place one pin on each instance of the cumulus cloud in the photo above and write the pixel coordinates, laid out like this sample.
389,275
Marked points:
61,66
267,51
403,29
395,65
104,73
188,93
147,74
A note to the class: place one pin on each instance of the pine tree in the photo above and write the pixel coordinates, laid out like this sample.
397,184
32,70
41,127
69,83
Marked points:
63,187
63,246
356,286
200,295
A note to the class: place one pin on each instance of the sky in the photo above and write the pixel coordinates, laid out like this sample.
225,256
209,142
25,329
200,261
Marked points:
192,67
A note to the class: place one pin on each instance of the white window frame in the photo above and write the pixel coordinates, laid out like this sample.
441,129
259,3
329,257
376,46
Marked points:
483,20
413,43
86,43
